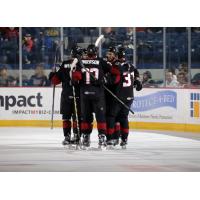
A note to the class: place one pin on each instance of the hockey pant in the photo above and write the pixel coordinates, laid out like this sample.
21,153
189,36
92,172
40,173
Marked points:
118,113
88,106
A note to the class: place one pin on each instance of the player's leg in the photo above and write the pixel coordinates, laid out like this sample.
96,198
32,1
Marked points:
124,125
110,120
87,119
100,109
66,129
66,111
117,133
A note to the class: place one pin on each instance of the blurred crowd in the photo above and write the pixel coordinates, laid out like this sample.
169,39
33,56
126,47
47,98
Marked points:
174,78
38,79
41,48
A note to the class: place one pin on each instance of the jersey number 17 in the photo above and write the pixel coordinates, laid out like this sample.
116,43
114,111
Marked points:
94,72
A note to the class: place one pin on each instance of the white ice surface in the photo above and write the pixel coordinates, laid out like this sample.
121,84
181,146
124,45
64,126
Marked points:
40,149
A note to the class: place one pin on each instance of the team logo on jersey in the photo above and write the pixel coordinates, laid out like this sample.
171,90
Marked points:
195,105
156,100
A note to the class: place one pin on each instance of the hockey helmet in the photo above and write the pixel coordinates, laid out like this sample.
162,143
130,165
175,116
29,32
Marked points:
112,49
76,50
91,49
121,53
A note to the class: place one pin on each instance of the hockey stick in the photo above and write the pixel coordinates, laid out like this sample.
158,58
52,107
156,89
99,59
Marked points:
53,97
99,39
119,100
75,61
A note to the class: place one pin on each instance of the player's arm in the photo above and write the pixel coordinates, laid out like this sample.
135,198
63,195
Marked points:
55,77
112,73
137,82
77,73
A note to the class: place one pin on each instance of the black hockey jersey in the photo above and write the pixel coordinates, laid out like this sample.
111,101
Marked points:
63,75
92,76
128,73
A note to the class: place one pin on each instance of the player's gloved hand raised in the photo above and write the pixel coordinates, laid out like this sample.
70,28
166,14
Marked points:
138,85
51,74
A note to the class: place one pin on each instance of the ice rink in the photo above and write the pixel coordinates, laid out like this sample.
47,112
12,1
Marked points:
40,149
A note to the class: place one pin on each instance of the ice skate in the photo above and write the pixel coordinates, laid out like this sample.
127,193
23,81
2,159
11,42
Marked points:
123,144
115,142
66,141
102,143
110,145
86,142
75,142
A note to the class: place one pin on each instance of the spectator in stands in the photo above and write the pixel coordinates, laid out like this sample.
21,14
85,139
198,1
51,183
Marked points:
39,78
183,68
5,79
9,45
169,80
27,48
182,80
146,78
109,35
196,79
11,33
129,38
173,71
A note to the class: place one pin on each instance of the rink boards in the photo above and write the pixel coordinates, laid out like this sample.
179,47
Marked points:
155,109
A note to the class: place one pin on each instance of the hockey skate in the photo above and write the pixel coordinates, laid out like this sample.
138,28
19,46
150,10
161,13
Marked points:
75,142
86,142
110,145
102,142
123,144
115,142
66,141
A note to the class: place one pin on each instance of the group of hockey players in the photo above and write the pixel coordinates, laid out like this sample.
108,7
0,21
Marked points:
93,85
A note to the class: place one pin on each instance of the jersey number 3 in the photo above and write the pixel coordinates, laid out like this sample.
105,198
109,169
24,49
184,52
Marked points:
127,79
91,72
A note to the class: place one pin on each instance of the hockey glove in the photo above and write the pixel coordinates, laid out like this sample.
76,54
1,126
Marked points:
138,85
51,74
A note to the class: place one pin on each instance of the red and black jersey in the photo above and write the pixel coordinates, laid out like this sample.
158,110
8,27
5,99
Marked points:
63,75
128,73
91,79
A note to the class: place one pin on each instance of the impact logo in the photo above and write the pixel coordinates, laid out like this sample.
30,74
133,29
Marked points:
20,101
195,105
156,100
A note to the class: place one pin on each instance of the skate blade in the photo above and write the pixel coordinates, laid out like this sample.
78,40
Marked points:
110,147
84,148
75,147
101,147
66,146
123,147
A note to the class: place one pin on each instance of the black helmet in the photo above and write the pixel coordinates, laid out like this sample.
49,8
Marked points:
76,50
85,51
121,53
91,49
112,49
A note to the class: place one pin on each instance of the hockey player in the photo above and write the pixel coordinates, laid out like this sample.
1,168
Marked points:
67,107
112,80
91,77
124,91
